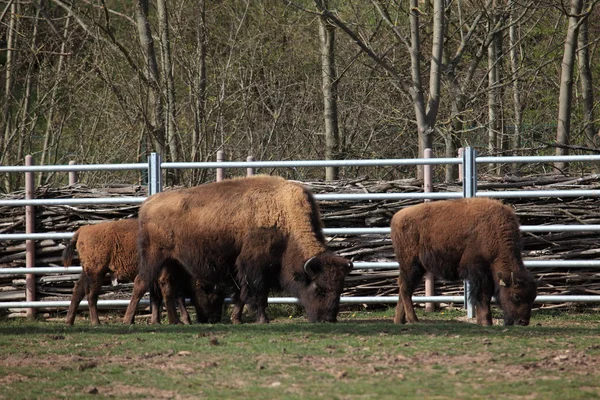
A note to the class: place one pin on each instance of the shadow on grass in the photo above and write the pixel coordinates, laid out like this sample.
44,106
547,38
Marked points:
363,327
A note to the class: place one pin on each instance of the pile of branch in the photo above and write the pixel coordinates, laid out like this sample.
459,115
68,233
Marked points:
552,281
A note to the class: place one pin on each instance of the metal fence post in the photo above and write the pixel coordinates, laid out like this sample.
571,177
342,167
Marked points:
220,171
155,181
72,175
469,190
428,188
461,154
29,244
250,170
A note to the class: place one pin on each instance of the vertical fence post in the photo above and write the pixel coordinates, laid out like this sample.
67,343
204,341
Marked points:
469,190
428,188
220,171
72,174
29,244
461,172
155,181
250,170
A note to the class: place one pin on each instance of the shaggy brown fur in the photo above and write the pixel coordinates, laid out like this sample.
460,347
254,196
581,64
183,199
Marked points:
256,232
473,239
110,247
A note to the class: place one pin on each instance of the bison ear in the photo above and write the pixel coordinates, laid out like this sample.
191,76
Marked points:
312,267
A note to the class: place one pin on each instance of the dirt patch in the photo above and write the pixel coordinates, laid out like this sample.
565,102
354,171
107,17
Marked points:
12,378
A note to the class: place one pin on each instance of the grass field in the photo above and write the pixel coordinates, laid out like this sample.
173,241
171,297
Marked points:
364,356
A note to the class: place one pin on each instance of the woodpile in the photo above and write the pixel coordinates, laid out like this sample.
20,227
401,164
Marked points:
531,211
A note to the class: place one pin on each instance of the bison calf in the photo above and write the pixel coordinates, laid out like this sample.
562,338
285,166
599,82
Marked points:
110,247
477,240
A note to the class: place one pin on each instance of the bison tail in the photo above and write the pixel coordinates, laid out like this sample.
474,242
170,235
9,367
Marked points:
69,251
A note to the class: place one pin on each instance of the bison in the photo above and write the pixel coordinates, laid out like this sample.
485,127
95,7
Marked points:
256,233
110,247
477,240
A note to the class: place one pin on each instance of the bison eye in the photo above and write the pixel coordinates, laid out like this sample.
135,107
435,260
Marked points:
516,297
319,292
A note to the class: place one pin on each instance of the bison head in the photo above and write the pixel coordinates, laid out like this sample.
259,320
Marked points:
208,299
515,293
322,284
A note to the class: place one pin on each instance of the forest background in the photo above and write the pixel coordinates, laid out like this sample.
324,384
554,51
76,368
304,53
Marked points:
110,81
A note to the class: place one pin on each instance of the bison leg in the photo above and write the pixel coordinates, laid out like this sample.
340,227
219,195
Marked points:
484,314
407,282
78,294
185,316
95,285
261,310
400,316
481,289
167,288
139,289
156,302
257,299
238,308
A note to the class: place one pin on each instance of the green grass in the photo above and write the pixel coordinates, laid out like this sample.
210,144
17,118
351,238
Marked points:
364,356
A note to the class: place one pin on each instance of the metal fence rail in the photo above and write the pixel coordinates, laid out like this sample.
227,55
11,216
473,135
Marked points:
468,162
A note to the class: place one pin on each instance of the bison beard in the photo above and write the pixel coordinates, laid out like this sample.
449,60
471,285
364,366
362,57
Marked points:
473,239
251,234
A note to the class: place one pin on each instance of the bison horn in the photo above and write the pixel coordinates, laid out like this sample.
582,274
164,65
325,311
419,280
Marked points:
308,268
512,278
502,283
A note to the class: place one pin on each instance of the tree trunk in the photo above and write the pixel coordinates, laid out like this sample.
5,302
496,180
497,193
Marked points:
155,102
44,156
416,87
514,65
168,86
587,84
23,132
200,86
492,95
566,85
329,88
5,150
199,97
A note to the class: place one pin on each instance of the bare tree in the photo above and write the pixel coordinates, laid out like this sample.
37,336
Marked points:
587,86
330,91
425,111
168,85
155,100
516,89
493,84
7,131
563,130
48,134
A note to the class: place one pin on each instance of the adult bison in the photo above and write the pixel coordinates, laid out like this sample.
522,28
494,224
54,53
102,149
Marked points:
111,247
473,239
258,233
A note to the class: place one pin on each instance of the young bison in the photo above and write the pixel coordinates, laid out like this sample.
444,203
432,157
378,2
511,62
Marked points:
258,233
111,247
473,239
